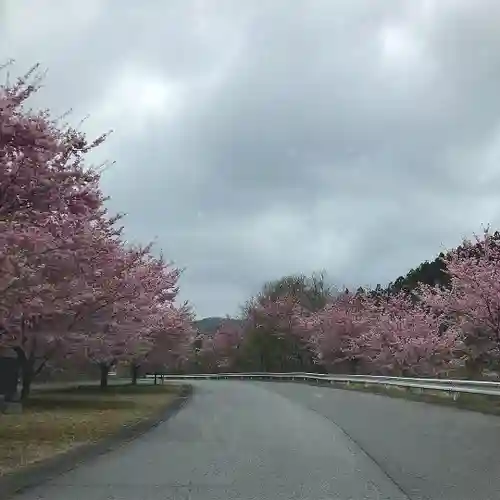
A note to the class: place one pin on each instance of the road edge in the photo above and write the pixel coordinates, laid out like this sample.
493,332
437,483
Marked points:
427,396
40,472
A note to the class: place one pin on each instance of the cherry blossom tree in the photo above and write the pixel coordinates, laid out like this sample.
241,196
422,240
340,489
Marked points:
472,302
272,340
333,331
405,338
48,201
172,337
70,284
225,345
126,310
381,334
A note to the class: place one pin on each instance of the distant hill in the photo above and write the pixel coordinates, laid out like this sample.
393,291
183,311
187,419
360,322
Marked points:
210,325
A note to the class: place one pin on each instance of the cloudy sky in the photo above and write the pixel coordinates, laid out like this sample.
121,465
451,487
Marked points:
258,138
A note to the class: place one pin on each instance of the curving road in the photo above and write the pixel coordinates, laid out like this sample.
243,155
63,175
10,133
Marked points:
274,441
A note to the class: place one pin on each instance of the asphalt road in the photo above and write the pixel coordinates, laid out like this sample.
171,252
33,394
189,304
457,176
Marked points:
273,441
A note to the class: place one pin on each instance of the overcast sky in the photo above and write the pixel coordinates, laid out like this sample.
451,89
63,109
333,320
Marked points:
258,138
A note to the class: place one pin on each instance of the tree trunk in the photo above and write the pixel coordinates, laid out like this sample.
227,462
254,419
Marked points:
474,368
104,369
27,367
27,374
134,373
262,360
156,380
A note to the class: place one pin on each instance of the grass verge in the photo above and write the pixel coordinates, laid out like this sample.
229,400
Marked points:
54,422
474,402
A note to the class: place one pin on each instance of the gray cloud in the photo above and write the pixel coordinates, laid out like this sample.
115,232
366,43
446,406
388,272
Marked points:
254,139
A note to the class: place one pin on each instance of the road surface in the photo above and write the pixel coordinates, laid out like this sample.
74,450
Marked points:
276,441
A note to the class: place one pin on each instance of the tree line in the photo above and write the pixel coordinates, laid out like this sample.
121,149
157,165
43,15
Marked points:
72,288
440,319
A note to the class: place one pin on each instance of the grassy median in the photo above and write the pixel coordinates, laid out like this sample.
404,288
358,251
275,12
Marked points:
53,422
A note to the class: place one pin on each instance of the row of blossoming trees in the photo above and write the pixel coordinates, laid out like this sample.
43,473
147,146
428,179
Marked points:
71,287
298,324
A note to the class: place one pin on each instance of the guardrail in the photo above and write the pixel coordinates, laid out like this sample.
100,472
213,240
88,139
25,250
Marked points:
452,386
